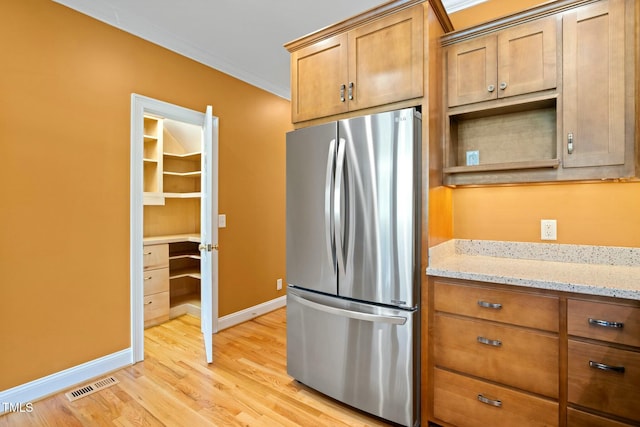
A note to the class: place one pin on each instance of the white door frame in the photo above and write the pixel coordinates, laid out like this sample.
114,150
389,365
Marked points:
141,105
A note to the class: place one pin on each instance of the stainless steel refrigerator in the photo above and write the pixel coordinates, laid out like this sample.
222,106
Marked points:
353,261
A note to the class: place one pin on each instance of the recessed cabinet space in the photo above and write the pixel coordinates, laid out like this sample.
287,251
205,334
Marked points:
152,159
544,95
515,61
376,63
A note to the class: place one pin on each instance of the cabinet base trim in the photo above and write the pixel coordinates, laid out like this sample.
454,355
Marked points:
62,380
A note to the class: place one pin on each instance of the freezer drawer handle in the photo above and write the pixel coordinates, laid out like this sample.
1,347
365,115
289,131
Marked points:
394,320
494,305
487,341
604,367
606,323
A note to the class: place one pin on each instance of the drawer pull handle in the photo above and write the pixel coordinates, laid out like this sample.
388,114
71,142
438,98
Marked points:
150,302
148,278
605,367
147,253
492,402
485,304
487,341
606,323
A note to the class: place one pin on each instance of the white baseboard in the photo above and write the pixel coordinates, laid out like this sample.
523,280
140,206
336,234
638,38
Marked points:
251,312
54,383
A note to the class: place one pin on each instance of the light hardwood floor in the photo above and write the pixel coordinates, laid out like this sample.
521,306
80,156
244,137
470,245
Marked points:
247,385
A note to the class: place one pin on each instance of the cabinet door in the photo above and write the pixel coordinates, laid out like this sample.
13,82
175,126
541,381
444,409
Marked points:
385,60
594,85
472,71
527,57
317,74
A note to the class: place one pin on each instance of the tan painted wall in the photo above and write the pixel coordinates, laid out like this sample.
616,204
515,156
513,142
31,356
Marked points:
594,213
65,85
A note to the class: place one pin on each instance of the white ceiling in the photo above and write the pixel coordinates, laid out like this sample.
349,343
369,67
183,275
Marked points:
243,38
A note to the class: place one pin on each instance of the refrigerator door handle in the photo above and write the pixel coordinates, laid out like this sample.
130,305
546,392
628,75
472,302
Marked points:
328,203
337,194
376,318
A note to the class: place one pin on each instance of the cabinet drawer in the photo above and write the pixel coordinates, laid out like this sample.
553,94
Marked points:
156,281
156,308
508,355
155,256
577,418
457,402
534,311
607,391
603,321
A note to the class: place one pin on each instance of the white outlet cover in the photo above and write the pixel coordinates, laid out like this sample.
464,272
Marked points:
548,229
222,221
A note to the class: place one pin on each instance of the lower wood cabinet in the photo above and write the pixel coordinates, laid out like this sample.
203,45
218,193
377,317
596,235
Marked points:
511,356
156,284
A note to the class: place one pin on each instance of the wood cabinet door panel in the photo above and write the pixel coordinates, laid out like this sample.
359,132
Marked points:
527,57
317,74
594,85
533,311
456,402
155,256
156,308
508,355
472,71
386,59
608,391
623,325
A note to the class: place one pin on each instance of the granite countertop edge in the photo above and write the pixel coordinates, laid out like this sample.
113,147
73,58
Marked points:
591,270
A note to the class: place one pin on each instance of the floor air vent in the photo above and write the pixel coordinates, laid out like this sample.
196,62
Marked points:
87,389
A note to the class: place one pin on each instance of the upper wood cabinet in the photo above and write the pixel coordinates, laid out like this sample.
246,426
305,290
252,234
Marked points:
371,64
544,95
514,61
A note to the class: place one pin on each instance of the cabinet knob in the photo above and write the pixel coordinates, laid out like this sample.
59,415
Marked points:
342,89
503,85
491,88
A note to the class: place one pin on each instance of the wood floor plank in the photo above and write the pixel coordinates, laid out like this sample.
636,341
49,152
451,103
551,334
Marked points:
247,385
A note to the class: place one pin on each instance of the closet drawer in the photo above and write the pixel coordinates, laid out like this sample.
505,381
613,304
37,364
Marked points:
603,321
156,308
156,281
155,256
463,401
510,355
577,418
517,308
608,391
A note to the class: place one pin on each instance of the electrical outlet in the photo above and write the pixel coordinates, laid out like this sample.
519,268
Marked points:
548,229
222,221
279,285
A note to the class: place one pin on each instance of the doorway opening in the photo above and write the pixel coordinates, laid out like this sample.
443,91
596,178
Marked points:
174,193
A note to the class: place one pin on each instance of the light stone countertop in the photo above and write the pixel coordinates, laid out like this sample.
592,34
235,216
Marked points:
593,270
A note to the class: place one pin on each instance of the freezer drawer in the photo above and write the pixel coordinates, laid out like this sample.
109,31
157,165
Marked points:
363,355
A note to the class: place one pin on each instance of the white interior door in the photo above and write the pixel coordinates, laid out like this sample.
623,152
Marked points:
141,105
209,232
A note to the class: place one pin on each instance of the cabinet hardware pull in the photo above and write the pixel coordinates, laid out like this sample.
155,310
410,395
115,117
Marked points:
487,341
342,89
503,85
570,142
494,305
351,86
149,302
148,278
605,367
491,88
605,323
492,402
147,253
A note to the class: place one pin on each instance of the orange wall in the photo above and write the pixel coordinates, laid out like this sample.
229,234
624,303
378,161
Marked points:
593,214
65,87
